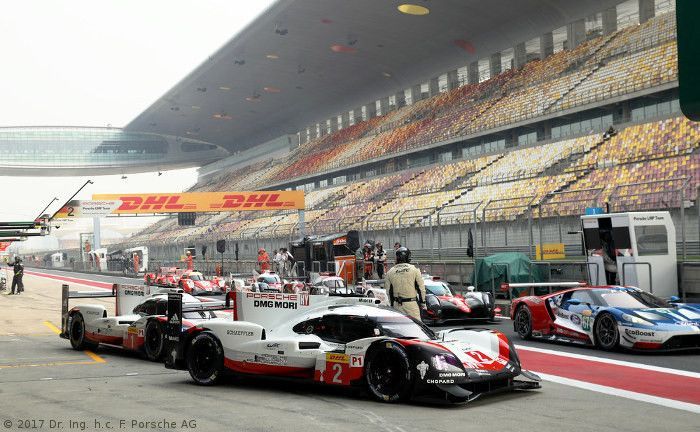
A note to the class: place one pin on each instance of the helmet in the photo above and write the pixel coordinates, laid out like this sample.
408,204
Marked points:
18,259
403,255
261,250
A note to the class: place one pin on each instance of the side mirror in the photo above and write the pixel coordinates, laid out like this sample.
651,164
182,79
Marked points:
573,302
674,299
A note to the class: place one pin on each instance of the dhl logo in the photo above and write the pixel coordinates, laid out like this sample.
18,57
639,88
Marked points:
153,202
337,358
236,201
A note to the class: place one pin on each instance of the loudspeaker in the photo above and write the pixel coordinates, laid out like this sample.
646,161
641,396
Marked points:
221,246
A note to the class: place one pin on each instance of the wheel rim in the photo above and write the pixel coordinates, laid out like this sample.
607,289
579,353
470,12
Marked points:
607,333
154,341
384,374
204,358
522,322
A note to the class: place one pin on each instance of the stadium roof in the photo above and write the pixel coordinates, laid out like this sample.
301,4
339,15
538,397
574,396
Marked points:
302,61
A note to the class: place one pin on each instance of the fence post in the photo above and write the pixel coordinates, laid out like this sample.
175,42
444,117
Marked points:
683,221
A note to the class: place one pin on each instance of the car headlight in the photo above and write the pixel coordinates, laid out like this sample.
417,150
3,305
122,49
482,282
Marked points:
635,320
446,362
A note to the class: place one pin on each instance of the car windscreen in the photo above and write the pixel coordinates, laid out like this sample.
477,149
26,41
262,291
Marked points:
196,277
631,300
198,315
437,289
404,327
268,279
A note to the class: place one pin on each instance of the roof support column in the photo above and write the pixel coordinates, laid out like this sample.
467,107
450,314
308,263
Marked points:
416,94
384,105
647,9
576,33
452,80
433,86
370,110
546,45
473,72
519,55
609,21
400,99
495,64
345,120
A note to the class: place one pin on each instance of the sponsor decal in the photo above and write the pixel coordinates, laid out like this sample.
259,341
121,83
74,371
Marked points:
175,319
340,241
422,369
89,312
636,332
304,299
239,333
357,360
561,314
204,201
271,359
575,319
366,300
275,304
452,375
272,346
337,358
132,330
354,347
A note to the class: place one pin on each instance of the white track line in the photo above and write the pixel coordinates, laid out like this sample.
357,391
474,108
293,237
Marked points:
611,361
669,403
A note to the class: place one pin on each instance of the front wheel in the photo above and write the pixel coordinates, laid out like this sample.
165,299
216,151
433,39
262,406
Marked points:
205,359
154,341
523,322
388,373
77,334
606,334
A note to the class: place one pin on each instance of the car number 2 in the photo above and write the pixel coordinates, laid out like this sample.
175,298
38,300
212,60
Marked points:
339,374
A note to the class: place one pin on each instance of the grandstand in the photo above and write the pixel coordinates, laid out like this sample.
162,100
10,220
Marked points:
518,147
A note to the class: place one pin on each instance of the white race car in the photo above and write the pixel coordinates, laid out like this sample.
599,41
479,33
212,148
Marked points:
345,341
138,324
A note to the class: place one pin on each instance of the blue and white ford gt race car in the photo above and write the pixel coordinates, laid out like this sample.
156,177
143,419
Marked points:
609,317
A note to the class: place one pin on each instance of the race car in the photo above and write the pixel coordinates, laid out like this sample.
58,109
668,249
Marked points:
608,317
346,341
193,282
329,283
165,277
373,289
272,279
138,324
443,305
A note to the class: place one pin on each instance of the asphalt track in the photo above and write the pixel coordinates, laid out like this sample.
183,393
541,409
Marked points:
42,379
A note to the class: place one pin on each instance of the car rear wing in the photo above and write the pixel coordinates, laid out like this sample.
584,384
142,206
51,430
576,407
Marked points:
174,342
126,298
533,288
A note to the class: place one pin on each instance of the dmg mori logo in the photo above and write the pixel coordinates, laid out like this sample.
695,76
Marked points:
234,201
153,202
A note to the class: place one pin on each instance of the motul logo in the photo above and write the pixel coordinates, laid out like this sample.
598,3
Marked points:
234,201
153,202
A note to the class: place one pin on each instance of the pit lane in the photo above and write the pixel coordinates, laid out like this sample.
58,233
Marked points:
42,371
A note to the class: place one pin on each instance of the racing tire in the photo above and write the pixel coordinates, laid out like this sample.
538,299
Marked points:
77,334
388,373
205,359
154,341
606,333
522,322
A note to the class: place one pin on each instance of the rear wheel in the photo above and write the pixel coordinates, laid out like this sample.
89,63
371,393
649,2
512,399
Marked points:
523,322
154,341
388,373
606,334
205,359
77,334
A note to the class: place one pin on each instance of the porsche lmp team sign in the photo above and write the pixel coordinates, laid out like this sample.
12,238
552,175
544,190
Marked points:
205,201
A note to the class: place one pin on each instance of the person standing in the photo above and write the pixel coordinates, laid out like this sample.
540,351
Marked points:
18,268
368,258
289,263
263,260
404,285
189,261
380,258
278,261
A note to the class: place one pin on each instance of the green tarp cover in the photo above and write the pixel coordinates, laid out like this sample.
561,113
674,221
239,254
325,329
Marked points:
505,267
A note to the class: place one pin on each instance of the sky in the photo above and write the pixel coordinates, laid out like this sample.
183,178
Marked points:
100,63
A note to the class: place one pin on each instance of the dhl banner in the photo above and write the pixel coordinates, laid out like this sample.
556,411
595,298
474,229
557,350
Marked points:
4,246
204,201
550,251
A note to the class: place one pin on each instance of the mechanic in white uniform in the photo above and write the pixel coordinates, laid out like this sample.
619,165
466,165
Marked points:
404,285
